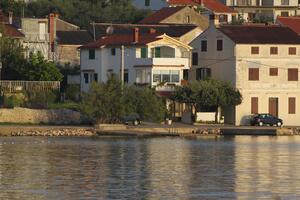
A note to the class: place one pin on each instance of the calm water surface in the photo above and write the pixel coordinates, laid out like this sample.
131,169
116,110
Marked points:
150,168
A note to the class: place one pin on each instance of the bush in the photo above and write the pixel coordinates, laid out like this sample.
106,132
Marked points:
41,99
13,101
72,92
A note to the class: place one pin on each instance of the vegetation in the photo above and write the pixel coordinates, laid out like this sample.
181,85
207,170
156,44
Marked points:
109,102
113,11
17,65
208,93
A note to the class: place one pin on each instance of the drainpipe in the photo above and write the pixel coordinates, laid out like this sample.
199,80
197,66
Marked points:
122,63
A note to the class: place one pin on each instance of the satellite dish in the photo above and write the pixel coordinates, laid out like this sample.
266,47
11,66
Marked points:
110,30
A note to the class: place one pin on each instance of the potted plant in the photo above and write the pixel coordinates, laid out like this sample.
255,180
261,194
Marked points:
169,118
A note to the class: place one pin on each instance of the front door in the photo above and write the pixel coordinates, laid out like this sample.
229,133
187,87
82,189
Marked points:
273,106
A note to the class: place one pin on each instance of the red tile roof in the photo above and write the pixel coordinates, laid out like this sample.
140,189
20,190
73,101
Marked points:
213,5
160,15
260,34
292,22
11,31
118,40
217,6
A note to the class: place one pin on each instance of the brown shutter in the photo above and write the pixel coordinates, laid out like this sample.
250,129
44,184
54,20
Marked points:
292,74
292,105
273,71
273,50
254,105
253,74
292,50
254,50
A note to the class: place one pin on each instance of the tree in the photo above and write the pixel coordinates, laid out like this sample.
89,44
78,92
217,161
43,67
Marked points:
109,102
208,93
17,66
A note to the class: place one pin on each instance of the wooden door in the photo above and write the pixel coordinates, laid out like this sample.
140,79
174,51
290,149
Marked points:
273,106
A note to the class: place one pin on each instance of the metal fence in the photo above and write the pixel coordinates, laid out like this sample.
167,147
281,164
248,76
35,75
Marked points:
30,86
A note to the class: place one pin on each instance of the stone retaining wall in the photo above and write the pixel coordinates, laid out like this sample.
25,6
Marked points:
36,116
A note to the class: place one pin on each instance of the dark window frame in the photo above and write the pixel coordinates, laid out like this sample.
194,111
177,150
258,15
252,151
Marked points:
92,54
195,58
219,45
203,45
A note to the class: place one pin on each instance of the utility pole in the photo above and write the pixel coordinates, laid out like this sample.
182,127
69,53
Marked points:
0,55
122,64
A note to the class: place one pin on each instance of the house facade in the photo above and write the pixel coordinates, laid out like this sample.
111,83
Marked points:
143,59
149,4
263,62
253,10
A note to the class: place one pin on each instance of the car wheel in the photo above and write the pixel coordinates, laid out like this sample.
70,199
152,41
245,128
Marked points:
260,124
279,124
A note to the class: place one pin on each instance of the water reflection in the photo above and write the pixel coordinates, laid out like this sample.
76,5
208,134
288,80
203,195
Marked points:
150,168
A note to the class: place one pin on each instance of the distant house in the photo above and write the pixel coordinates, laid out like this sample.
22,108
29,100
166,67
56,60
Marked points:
177,15
223,13
261,61
264,9
182,32
291,22
149,4
146,58
8,27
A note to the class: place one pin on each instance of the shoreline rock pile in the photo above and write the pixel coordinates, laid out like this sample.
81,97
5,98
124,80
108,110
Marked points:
208,131
76,132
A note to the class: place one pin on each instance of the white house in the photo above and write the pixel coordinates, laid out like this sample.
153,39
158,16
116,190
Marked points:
145,59
251,10
263,62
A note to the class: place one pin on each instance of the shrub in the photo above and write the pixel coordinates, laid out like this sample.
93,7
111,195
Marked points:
41,99
13,101
72,92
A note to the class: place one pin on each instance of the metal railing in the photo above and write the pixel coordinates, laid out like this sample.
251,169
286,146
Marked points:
30,86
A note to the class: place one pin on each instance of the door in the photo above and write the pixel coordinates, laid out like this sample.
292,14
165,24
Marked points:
273,106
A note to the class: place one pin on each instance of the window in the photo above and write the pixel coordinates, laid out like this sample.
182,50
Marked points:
126,76
203,73
254,105
188,19
284,2
185,74
273,50
96,77
194,58
86,78
113,51
219,45
284,14
92,54
273,72
147,3
292,105
157,52
253,74
144,52
292,51
223,18
175,76
254,50
166,76
292,74
204,45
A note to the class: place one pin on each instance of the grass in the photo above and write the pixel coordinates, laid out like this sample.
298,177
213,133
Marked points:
67,105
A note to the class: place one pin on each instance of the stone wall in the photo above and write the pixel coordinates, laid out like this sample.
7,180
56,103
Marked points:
35,116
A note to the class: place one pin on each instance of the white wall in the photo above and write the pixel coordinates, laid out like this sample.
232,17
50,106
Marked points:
154,4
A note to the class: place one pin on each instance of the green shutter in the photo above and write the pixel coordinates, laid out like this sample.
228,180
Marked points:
157,52
143,52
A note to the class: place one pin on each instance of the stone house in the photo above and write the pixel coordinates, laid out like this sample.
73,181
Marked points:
261,61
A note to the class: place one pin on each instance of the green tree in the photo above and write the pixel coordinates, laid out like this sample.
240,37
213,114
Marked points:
208,93
109,102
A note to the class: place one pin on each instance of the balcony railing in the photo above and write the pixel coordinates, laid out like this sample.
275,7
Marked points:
31,86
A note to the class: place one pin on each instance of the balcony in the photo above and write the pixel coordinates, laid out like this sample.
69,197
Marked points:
163,61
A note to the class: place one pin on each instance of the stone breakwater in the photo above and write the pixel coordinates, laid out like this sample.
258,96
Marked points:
208,131
75,132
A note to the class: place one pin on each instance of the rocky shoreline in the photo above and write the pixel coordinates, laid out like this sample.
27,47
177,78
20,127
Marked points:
75,132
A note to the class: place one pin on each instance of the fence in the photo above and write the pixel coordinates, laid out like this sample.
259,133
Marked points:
31,86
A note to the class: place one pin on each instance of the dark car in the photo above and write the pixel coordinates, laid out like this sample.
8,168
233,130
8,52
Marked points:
133,119
265,119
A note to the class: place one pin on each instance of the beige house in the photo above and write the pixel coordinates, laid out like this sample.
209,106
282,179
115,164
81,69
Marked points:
263,62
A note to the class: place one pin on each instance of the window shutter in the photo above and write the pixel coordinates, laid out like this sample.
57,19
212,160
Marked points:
273,71
253,74
254,50
292,74
292,105
254,105
292,50
273,50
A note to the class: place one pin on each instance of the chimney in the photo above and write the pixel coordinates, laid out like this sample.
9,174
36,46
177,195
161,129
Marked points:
212,20
152,31
10,17
52,30
136,35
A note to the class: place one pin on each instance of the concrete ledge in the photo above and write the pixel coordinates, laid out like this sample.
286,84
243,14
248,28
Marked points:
110,127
